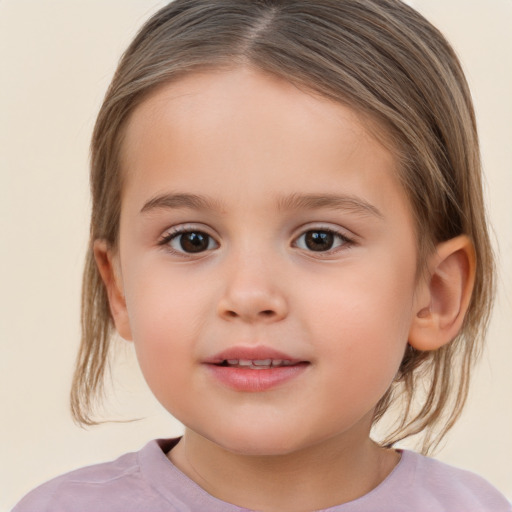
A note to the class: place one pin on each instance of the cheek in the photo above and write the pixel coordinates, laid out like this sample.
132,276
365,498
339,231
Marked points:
363,323
162,305
165,319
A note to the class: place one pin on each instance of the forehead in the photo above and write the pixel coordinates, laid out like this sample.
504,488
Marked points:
223,128
208,100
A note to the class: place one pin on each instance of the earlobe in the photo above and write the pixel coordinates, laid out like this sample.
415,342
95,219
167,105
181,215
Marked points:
107,266
443,299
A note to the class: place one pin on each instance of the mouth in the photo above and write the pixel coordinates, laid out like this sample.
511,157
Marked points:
257,364
255,369
258,356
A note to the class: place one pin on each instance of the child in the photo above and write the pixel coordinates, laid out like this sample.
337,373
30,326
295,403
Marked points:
288,224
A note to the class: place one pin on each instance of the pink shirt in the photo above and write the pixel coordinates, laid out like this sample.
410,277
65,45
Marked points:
146,481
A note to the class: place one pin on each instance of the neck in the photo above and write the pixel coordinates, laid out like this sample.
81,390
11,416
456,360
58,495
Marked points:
332,472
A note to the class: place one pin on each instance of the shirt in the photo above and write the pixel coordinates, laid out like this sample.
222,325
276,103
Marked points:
147,481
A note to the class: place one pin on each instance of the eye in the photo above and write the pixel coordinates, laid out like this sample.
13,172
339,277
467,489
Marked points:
321,240
188,241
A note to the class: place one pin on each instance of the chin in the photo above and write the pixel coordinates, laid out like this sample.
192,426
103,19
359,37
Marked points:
260,442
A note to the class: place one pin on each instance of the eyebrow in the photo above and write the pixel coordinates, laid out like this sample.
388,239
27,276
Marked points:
174,201
330,201
290,202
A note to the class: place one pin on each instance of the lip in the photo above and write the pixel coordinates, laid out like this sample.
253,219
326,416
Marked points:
252,380
246,352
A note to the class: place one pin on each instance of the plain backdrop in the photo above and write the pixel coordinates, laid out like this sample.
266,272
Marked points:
56,60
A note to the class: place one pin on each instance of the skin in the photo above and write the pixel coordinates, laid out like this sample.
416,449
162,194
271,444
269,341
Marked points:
246,139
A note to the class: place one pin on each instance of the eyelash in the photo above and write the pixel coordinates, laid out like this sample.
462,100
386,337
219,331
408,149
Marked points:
167,238
346,242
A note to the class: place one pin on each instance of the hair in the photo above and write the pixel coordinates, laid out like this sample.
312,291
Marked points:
384,60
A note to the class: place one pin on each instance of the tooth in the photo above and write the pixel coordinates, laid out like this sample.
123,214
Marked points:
262,362
287,362
277,362
245,362
232,361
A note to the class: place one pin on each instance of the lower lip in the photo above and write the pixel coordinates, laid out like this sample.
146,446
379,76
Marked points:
244,379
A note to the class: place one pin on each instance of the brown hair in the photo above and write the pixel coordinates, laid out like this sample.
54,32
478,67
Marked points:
383,59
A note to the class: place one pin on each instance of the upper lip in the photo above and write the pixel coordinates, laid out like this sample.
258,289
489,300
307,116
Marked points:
253,353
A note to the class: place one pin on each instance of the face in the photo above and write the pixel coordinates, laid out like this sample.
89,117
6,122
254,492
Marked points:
267,261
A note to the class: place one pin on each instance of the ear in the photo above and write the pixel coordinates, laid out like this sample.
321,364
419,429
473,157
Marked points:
443,298
108,266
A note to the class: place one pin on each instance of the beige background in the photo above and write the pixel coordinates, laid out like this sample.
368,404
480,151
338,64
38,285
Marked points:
56,59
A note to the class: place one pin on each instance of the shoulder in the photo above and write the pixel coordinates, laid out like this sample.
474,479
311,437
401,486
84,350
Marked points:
423,484
111,486
449,488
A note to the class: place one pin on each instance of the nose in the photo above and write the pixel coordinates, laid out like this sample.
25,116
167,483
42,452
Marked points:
252,294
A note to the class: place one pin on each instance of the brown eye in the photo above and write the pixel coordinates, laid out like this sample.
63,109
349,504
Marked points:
191,242
321,240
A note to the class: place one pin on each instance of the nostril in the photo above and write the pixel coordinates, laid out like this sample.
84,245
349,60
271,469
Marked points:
267,312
